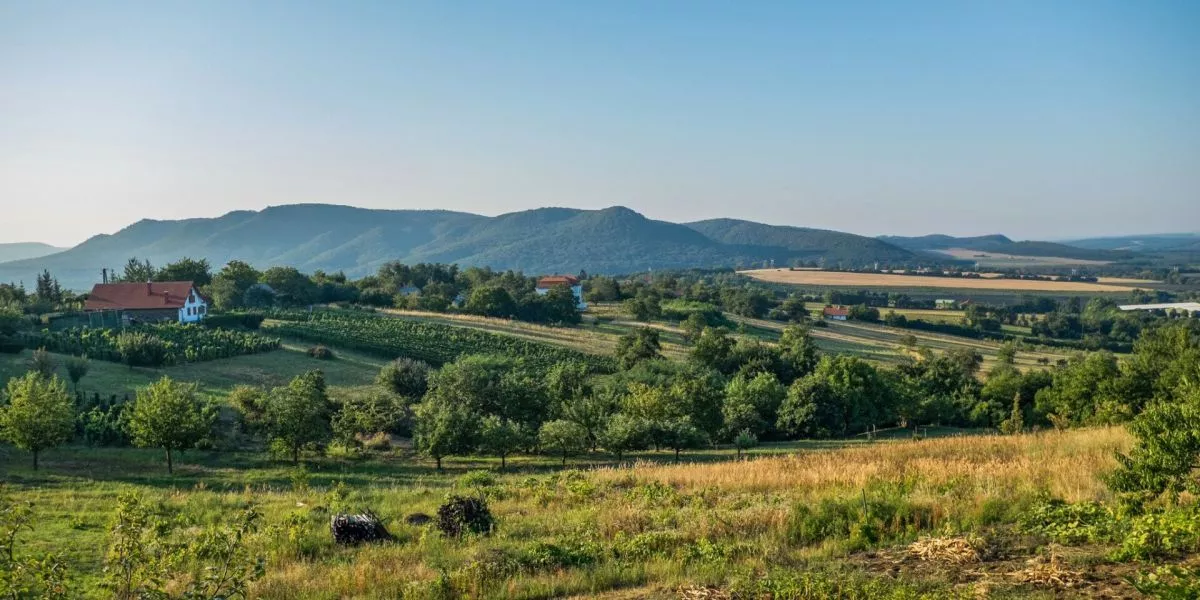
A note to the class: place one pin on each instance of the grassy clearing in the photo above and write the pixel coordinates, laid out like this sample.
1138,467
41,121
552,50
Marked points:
883,280
823,517
216,377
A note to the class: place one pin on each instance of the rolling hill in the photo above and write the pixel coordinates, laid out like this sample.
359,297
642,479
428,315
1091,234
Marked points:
1162,242
357,241
1003,245
23,250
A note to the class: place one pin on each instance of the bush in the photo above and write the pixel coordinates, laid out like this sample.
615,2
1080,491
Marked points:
460,516
1070,524
233,320
139,349
320,352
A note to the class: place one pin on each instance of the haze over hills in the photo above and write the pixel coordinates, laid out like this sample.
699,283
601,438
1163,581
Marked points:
23,250
615,240
1160,242
544,240
1004,245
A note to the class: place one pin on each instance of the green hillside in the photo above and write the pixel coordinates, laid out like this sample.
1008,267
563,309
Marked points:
357,241
23,250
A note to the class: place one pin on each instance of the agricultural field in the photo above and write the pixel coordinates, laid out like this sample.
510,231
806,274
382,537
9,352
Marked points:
999,259
215,377
884,280
880,343
938,518
435,343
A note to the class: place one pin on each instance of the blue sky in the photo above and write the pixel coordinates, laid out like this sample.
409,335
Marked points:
1039,119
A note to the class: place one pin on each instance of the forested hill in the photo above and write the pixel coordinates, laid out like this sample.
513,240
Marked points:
356,240
22,250
1003,245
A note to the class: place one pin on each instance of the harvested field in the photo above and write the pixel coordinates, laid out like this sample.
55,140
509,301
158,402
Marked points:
1012,260
867,280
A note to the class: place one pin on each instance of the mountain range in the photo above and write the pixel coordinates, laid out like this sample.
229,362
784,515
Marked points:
613,240
23,250
1001,244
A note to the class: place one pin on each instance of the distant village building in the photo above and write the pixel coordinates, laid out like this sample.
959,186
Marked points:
549,282
945,304
150,301
1190,308
836,313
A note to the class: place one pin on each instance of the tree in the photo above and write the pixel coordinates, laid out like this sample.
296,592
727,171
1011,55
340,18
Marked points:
1085,391
862,312
559,305
42,363
367,412
186,269
744,440
622,434
228,288
491,301
844,395
444,428
168,415
646,305
39,414
681,434
752,403
693,326
714,349
1166,455
637,346
562,437
77,368
492,385
502,437
299,413
794,309
138,271
1016,422
291,286
250,402
404,376
141,349
798,353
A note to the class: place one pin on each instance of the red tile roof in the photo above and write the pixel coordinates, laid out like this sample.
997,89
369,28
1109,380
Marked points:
552,280
837,311
138,296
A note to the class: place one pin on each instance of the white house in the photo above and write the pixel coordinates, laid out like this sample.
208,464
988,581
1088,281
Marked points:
545,284
150,301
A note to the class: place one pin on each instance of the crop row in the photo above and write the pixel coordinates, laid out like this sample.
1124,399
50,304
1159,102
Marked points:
181,343
435,343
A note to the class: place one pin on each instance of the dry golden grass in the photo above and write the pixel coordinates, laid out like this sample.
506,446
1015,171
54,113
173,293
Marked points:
1067,465
841,279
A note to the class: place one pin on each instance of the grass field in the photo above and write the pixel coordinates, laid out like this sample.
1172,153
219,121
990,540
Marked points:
655,530
215,377
883,280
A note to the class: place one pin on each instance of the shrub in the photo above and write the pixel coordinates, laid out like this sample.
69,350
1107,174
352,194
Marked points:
460,516
320,352
1162,534
139,349
1171,582
1070,524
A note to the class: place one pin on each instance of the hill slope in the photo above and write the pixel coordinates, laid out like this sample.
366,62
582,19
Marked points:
1003,245
23,250
1162,242
357,241
811,244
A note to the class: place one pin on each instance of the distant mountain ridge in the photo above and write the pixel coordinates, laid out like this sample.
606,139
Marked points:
1003,245
614,240
23,250
1159,242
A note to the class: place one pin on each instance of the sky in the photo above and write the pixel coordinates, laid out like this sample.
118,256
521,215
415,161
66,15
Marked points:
1040,119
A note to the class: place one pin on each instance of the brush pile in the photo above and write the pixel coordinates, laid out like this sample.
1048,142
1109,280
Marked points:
351,530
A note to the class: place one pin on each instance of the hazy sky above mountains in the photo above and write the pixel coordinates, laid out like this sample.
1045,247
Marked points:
1035,118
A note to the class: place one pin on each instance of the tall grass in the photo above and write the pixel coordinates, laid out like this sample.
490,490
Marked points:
649,528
